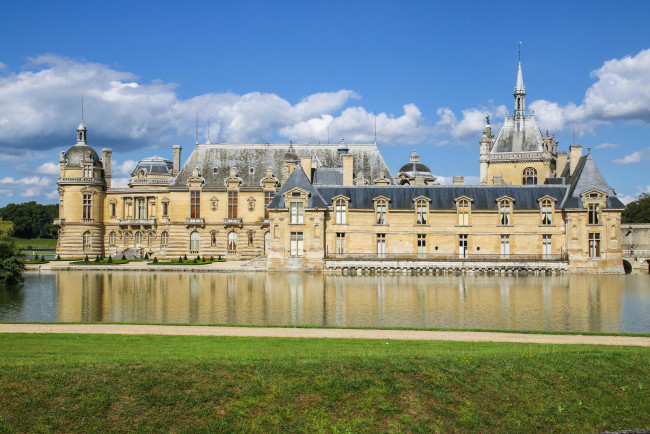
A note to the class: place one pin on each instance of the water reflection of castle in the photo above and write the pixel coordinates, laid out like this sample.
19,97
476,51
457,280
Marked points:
581,303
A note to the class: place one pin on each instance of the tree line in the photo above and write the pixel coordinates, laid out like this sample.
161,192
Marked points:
638,211
31,219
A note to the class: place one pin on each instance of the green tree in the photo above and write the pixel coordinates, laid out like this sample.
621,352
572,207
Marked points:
12,263
31,219
6,229
638,211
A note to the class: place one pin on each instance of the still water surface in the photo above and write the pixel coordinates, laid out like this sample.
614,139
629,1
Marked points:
570,303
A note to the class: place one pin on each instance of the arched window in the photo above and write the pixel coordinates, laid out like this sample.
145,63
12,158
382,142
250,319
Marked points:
164,238
127,236
149,238
138,238
530,176
194,242
421,208
505,209
340,211
86,240
232,242
111,239
380,212
267,242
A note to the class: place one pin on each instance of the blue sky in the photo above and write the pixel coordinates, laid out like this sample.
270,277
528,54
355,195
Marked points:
275,71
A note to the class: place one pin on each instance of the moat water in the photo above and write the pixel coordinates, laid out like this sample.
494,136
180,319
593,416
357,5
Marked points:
552,303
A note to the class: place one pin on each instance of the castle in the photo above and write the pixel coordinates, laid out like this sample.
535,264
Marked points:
336,206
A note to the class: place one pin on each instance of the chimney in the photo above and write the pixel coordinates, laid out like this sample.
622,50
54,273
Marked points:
575,152
305,162
560,163
177,159
61,164
106,163
348,169
459,180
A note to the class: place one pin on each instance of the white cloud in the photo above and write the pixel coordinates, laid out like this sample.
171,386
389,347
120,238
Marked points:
626,198
28,186
2,66
5,192
356,125
472,124
634,157
48,168
43,101
449,180
121,182
608,146
124,169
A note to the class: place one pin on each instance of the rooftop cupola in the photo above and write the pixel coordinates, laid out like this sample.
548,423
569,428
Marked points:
81,134
342,150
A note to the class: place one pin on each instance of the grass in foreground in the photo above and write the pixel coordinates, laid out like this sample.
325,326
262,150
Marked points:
154,383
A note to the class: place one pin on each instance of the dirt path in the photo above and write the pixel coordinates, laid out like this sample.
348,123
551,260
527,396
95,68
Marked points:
125,329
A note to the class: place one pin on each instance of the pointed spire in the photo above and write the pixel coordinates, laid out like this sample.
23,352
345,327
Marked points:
519,87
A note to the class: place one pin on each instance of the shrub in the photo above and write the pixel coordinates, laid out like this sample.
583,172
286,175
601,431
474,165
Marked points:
123,257
155,260
185,257
219,258
97,258
180,260
211,258
146,256
194,261
12,263
198,258
42,258
58,257
110,259
86,258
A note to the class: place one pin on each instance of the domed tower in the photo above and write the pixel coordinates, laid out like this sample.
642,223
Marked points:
414,173
82,190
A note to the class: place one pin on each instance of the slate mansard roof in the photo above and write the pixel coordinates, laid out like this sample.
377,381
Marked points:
157,165
251,162
519,135
587,177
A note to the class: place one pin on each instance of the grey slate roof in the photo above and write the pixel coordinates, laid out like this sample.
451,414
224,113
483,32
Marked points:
328,176
154,165
443,196
222,157
587,177
518,138
298,179
81,152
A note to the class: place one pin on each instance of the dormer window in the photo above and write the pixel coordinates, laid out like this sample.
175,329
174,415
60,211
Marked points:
421,212
547,212
88,171
297,210
463,209
594,214
505,212
381,207
341,211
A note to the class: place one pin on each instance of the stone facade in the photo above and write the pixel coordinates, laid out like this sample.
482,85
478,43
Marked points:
305,205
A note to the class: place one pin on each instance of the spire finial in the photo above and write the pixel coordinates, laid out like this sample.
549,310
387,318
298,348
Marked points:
519,51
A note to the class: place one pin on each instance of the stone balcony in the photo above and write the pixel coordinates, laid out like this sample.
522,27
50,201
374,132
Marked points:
265,222
58,222
232,222
136,222
195,222
80,180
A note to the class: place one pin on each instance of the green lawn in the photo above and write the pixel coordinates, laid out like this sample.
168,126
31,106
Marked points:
35,243
165,383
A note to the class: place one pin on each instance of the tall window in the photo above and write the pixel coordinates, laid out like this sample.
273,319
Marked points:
504,212
381,245
296,212
462,246
86,240
594,245
547,212
463,212
505,246
88,171
138,238
111,238
232,204
530,176
149,238
232,242
421,212
268,197
340,244
195,237
164,239
87,206
546,246
380,212
340,208
165,209
195,204
112,206
140,214
422,245
594,214
296,244
267,242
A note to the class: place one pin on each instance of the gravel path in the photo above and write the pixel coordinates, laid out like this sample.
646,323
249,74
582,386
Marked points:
280,332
